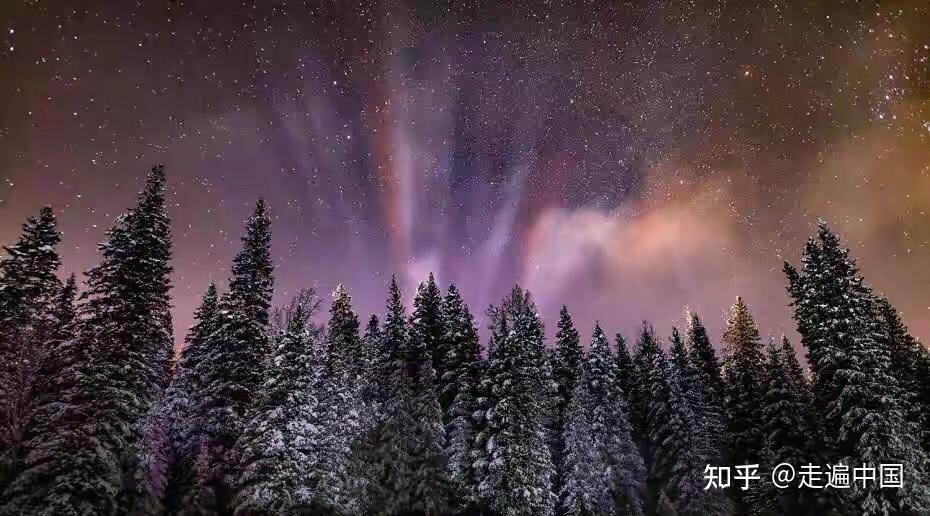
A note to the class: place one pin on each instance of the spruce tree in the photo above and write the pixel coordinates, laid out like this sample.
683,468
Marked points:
604,472
371,342
743,372
461,351
459,387
277,444
233,366
690,444
566,361
649,413
709,380
467,424
472,436
863,410
625,368
373,360
786,416
408,464
426,326
46,440
28,286
179,407
910,362
340,415
126,327
515,472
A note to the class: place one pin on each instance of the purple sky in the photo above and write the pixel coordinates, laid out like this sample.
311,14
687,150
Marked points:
627,160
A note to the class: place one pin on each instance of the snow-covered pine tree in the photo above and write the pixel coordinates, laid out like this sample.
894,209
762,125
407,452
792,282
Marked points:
689,445
46,442
515,472
476,454
407,460
340,415
565,359
126,324
786,415
276,447
426,325
462,447
743,371
373,361
461,350
234,364
178,409
861,407
910,362
460,388
27,287
625,369
604,473
584,492
371,343
704,359
648,413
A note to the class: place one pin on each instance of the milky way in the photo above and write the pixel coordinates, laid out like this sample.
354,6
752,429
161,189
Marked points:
629,159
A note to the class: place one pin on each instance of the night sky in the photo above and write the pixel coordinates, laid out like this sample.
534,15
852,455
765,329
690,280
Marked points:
628,159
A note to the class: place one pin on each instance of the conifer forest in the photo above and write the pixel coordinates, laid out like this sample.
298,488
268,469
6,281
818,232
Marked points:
409,412
464,258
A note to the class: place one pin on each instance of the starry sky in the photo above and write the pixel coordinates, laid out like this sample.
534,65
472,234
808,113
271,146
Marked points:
627,158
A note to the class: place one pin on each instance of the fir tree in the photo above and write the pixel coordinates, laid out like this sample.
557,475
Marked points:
233,366
408,469
126,326
566,361
689,445
374,362
47,444
371,342
462,448
340,415
743,371
460,388
27,287
604,472
179,408
709,380
515,472
276,447
862,409
648,413
911,362
625,368
786,416
461,350
426,327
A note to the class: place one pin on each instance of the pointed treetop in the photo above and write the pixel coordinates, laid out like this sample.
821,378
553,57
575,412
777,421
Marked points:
393,288
599,340
647,340
372,327
70,285
453,301
297,321
790,359
210,295
620,344
340,293
678,345
155,181
741,328
566,334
